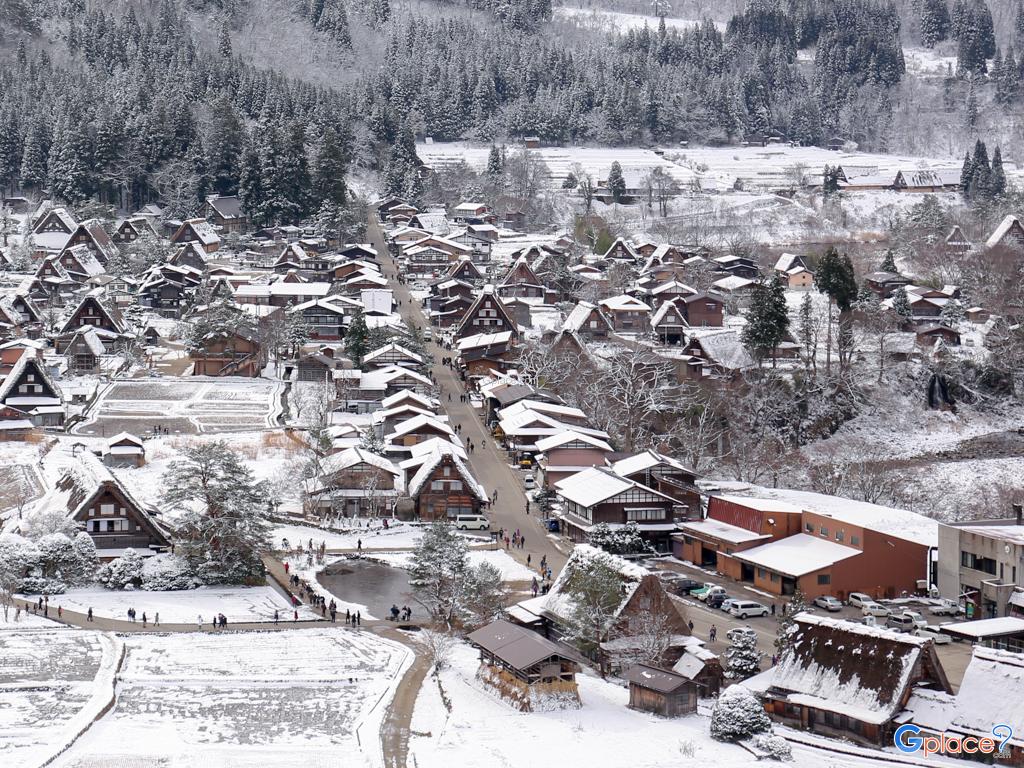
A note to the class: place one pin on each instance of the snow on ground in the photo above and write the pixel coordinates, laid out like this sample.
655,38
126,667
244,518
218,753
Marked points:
926,61
511,570
238,604
483,731
396,536
601,19
300,698
50,681
26,620
184,406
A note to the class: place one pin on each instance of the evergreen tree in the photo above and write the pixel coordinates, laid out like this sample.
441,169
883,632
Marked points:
901,303
830,181
328,171
808,335
889,262
971,108
934,22
250,184
997,179
616,183
224,142
787,622
966,174
356,339
981,178
69,174
371,442
224,40
222,531
738,715
742,659
495,166
767,319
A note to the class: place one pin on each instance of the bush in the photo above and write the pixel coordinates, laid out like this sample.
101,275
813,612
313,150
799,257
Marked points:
123,571
40,585
162,573
776,747
738,715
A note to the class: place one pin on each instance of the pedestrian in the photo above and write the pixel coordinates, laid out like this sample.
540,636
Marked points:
286,567
277,617
348,616
690,625
295,616
359,544
534,586
774,660
528,558
156,619
60,612
522,545
143,619
773,609
359,618
88,616
199,621
334,616
784,605
527,506
713,633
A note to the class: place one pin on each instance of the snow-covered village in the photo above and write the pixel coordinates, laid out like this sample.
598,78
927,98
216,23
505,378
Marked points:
499,383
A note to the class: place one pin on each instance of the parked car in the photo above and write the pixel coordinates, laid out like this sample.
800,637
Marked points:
728,603
744,608
902,622
685,586
939,638
735,632
472,523
874,609
857,599
529,482
944,608
828,602
707,591
553,526
428,335
716,599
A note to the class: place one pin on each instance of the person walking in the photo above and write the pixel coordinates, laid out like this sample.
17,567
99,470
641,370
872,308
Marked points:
359,545
528,558
359,618
143,619
713,633
277,616
199,621
156,619
534,586
286,567
88,615
773,613
527,506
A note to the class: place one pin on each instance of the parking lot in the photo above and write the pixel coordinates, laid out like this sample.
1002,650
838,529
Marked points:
955,655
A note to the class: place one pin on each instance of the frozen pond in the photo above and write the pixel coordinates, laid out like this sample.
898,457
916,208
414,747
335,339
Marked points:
376,586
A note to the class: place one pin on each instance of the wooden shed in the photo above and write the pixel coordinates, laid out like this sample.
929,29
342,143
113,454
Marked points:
660,691
525,669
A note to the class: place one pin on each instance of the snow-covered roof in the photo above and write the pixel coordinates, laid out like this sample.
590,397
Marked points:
732,283
848,668
578,316
282,289
726,349
624,303
797,555
647,460
416,423
982,628
674,286
992,691
422,451
663,309
1000,232
559,602
484,340
539,406
352,457
26,361
91,339
569,436
408,394
899,523
389,348
723,531
430,464
786,262
762,505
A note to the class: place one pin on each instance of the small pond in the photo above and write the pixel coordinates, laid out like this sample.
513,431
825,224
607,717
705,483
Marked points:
374,585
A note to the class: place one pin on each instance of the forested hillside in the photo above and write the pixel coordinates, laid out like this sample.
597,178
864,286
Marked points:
135,101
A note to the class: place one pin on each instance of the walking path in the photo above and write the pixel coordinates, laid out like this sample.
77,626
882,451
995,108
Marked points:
397,724
490,464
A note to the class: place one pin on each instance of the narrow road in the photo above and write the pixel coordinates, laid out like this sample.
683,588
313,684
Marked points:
397,723
489,463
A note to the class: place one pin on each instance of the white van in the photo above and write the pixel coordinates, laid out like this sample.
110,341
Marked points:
472,523
745,608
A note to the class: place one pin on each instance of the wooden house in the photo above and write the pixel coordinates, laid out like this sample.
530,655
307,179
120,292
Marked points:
704,310
30,389
930,335
80,263
131,229
483,354
190,255
1009,234
52,230
884,283
669,323
956,241
588,321
722,351
660,691
93,312
392,354
522,282
821,686
927,180
567,453
670,290
487,315
224,213
124,450
326,318
599,495
527,670
231,352
93,236
622,251
444,488
356,483
95,499
665,475
627,313
197,231
83,351
319,366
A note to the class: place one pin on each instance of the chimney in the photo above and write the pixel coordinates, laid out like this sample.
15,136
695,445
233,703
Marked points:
1018,511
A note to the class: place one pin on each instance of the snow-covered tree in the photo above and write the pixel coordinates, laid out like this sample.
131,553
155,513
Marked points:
742,659
370,441
787,622
17,556
901,303
616,182
356,338
596,593
776,747
767,319
952,313
440,572
486,596
167,572
42,522
223,531
738,715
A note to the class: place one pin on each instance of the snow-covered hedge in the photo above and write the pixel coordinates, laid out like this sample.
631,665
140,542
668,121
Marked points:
775,747
166,572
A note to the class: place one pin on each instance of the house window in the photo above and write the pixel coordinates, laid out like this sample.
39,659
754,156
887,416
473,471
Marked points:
762,573
855,540
645,514
839,535
824,531
775,577
106,509
824,578
809,528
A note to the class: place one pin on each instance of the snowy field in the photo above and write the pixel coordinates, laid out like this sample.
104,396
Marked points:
374,536
238,604
300,698
616,21
483,732
184,406
52,682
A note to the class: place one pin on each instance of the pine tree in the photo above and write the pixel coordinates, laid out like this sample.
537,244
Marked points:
328,171
934,22
971,108
808,337
767,319
616,182
250,184
889,262
356,339
966,174
224,141
997,180
371,442
742,659
222,531
495,166
1018,25
224,41
68,172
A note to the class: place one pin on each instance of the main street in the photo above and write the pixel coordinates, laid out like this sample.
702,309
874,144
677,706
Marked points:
489,463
